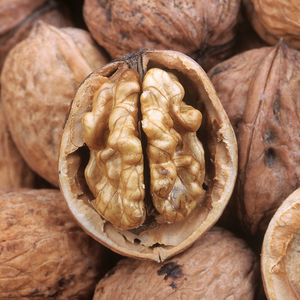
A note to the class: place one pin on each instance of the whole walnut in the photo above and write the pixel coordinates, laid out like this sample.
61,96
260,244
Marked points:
204,30
39,79
274,20
280,251
260,92
14,172
148,157
217,266
43,252
17,18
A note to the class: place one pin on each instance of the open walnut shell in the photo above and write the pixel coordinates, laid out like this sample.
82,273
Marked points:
280,251
137,173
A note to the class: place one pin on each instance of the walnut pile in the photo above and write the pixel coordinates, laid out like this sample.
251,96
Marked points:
148,156
38,82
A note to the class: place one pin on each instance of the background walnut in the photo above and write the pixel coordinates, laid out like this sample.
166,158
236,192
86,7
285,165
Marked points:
155,238
14,172
17,18
280,251
43,252
204,30
39,79
274,20
259,90
218,266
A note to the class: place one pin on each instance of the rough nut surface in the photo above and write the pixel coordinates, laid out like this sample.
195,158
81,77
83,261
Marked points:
14,172
280,252
43,252
274,20
203,30
137,170
39,79
260,93
17,18
218,266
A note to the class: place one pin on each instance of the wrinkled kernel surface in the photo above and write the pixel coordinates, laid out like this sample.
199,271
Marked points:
115,172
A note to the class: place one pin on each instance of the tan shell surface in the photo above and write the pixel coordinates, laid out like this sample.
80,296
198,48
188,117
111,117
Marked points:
218,266
259,90
14,172
200,29
274,20
39,80
43,252
18,17
280,258
152,240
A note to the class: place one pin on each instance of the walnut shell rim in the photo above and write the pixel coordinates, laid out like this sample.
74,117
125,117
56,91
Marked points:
279,251
159,242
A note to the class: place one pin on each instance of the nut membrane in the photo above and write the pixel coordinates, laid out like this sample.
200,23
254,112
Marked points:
148,156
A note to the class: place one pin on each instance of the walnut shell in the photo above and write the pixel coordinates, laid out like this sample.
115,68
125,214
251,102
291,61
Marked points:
260,91
280,251
17,18
218,266
43,252
155,239
39,80
203,30
14,172
274,20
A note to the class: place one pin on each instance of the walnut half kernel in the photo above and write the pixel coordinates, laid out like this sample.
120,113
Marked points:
148,157
176,156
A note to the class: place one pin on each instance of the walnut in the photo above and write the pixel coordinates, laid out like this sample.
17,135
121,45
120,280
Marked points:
39,79
17,18
280,251
14,172
259,90
148,156
43,252
218,266
274,20
204,30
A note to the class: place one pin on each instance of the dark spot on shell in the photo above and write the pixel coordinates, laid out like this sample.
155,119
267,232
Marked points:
171,270
173,285
270,136
34,292
108,15
163,171
110,273
270,158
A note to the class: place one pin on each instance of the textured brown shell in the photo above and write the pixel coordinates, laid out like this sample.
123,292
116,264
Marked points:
151,240
14,172
203,30
43,252
274,20
17,18
218,266
280,251
259,90
38,82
